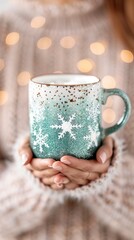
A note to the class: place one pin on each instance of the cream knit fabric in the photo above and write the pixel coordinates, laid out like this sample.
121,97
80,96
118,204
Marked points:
105,208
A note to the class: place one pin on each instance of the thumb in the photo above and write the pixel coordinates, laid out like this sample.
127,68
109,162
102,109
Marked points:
105,152
25,153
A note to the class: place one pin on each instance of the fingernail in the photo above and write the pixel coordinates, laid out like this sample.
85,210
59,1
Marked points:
65,181
103,157
24,158
59,168
65,161
50,166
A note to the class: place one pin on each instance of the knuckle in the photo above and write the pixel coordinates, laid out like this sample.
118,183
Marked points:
83,182
86,175
36,164
37,174
47,181
106,167
72,186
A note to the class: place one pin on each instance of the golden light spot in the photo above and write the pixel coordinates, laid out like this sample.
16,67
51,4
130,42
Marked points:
85,65
12,38
108,82
38,22
23,78
2,64
44,43
67,42
109,115
3,97
97,48
126,56
109,102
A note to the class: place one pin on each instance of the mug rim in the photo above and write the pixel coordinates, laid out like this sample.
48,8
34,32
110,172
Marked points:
97,80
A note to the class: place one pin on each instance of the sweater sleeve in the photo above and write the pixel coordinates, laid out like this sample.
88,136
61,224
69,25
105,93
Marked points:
114,207
24,200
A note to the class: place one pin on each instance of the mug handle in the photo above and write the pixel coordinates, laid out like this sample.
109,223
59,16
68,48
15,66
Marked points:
127,109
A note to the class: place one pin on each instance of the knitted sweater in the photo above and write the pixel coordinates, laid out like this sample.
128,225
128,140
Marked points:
63,39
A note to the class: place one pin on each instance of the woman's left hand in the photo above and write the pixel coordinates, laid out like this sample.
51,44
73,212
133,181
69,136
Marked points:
80,171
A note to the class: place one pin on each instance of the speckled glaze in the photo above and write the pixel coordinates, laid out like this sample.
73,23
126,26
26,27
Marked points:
65,119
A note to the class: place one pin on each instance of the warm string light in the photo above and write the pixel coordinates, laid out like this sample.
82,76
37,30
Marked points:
12,38
85,65
109,115
44,43
108,82
38,22
126,56
67,42
97,48
23,78
3,97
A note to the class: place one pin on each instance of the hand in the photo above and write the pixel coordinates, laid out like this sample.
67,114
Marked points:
80,171
41,168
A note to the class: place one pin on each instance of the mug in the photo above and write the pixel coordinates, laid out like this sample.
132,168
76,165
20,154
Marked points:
65,115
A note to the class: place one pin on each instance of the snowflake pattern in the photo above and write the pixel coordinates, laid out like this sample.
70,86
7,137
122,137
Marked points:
92,137
40,140
66,126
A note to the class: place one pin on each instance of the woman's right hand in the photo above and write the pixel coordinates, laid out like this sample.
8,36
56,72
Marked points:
41,168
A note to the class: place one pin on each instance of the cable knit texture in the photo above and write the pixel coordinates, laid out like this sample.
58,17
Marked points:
103,209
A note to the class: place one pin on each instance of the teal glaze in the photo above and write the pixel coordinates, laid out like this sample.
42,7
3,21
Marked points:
127,109
66,119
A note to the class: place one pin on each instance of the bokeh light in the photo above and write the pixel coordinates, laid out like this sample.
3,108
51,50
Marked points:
127,56
3,97
108,82
23,78
97,48
44,43
12,38
109,115
38,22
85,65
67,42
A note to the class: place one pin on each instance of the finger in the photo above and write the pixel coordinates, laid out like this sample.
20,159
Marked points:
29,167
57,187
71,186
42,164
61,179
45,173
85,165
48,181
106,150
25,154
75,175
25,143
93,176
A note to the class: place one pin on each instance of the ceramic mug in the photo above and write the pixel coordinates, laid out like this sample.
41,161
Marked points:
65,115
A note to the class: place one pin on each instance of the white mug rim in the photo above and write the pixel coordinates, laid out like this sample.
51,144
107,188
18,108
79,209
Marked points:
61,76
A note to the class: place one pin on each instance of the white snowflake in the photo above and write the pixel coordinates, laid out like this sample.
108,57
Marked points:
41,140
92,137
66,126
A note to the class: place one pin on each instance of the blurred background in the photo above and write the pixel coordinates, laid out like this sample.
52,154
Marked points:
4,4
